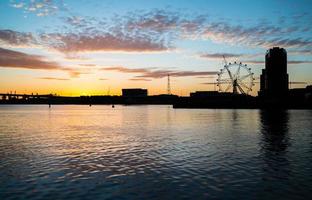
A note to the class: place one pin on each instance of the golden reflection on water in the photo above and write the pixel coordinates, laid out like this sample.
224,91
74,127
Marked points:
94,151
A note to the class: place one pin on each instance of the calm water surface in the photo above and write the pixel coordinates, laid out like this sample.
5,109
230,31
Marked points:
154,152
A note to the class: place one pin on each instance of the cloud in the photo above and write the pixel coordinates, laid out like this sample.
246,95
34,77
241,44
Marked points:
205,77
294,62
155,20
220,55
126,70
173,25
39,7
209,83
165,24
261,34
300,51
139,79
290,62
18,5
284,42
15,59
192,73
53,78
75,73
298,82
15,38
157,30
88,65
254,61
76,21
75,57
82,42
157,73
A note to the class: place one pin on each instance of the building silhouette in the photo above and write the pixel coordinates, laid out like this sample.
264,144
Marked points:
134,92
274,78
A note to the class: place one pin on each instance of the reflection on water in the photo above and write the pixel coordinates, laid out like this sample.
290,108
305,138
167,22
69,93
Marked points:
274,144
153,152
275,130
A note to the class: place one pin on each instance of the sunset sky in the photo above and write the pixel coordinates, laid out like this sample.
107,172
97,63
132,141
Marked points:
90,47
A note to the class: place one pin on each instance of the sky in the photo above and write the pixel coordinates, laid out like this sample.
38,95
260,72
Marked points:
98,47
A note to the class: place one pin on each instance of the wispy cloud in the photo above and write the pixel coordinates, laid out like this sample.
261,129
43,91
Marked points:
54,78
300,51
254,61
82,42
209,83
76,21
299,62
220,55
206,77
158,73
139,79
126,70
15,38
290,62
39,7
175,25
88,65
157,30
15,59
298,82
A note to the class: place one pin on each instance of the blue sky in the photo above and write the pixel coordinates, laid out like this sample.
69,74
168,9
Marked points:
86,47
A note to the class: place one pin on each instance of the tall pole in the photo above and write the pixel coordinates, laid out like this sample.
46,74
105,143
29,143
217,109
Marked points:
168,85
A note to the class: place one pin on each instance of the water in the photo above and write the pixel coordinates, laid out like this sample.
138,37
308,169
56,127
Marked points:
154,152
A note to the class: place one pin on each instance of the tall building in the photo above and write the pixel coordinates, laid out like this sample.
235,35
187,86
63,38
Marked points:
274,78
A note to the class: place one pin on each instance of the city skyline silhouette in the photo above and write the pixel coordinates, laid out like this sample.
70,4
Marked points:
76,49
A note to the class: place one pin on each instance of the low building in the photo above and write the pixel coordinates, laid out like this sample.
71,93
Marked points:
134,92
203,94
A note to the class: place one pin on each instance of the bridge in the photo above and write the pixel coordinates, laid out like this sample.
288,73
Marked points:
14,96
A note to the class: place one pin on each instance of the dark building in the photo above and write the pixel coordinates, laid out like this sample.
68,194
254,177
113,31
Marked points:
274,78
134,92
205,94
300,95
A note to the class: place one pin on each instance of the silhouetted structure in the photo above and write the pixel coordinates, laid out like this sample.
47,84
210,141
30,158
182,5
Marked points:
168,85
215,99
274,78
274,93
134,92
204,94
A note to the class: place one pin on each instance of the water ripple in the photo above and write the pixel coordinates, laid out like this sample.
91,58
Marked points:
153,152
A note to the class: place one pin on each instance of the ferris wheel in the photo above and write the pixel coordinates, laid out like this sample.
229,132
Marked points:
235,77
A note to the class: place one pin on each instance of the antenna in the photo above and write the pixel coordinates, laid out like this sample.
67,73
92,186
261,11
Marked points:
168,86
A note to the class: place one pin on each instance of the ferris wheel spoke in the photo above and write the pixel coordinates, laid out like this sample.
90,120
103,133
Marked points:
241,89
228,87
244,77
238,70
244,85
236,77
229,72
